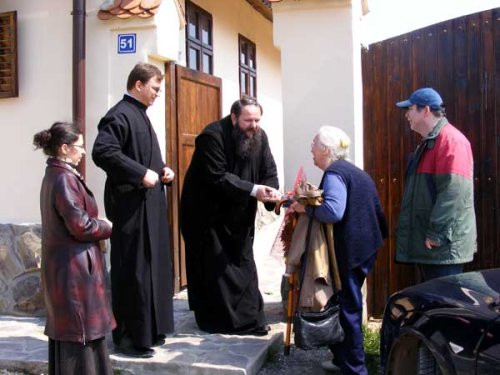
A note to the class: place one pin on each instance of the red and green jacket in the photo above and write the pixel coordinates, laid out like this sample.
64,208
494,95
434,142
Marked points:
438,201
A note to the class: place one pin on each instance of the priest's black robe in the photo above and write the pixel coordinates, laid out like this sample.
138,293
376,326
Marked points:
217,222
141,271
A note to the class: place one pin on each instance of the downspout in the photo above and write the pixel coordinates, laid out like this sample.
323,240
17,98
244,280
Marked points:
79,69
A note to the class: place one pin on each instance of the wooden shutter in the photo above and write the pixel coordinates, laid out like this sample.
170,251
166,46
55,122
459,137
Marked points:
8,55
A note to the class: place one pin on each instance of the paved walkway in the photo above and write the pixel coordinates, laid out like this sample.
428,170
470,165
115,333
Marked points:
23,347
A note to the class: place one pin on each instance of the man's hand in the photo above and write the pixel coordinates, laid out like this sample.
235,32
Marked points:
267,194
430,244
106,220
168,175
150,179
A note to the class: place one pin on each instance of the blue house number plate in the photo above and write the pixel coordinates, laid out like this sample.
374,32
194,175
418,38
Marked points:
126,43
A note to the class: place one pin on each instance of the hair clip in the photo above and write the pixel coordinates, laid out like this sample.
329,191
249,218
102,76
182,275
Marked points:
344,142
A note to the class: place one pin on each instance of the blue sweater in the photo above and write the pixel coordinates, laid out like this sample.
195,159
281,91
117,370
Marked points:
360,231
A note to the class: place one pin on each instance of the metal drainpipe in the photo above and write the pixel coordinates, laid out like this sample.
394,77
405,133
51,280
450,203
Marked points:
79,69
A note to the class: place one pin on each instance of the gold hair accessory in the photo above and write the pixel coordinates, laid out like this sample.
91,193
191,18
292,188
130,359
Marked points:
344,143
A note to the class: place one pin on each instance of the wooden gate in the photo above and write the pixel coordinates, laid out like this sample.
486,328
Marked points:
193,100
460,58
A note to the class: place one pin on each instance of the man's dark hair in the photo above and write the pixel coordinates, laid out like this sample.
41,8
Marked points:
437,112
143,72
239,104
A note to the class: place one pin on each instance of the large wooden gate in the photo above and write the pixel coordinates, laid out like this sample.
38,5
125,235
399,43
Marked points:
194,99
460,58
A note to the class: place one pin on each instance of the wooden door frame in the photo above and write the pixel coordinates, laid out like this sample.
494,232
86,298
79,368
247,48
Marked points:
173,195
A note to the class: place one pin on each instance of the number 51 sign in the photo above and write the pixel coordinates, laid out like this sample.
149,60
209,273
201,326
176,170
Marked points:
126,43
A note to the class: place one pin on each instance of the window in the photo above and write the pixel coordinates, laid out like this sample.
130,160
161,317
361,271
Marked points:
199,41
248,68
8,55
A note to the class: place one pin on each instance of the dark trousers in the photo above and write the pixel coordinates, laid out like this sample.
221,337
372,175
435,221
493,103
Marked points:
432,271
349,355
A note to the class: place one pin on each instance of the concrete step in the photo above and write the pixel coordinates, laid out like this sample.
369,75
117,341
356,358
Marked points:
23,348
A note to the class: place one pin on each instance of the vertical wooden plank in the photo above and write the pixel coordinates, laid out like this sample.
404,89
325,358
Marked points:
472,128
375,164
495,100
402,144
430,67
486,141
444,79
171,160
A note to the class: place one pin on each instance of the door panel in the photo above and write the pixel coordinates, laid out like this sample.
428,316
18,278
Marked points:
194,100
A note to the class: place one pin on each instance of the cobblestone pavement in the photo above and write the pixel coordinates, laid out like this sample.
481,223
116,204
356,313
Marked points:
299,362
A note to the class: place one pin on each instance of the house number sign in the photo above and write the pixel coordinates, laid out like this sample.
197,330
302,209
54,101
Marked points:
126,43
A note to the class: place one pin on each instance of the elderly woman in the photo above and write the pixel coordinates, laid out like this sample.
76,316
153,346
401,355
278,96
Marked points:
351,202
76,298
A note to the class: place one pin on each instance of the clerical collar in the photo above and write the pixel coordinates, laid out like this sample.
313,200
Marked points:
135,100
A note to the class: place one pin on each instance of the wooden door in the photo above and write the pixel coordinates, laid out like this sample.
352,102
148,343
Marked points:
194,100
460,58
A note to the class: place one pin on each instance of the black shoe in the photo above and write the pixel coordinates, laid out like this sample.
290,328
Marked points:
330,367
258,331
159,341
135,351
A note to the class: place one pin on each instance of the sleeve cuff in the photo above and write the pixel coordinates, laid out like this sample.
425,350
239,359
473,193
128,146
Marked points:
253,193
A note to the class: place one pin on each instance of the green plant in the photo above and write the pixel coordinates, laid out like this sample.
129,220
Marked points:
372,349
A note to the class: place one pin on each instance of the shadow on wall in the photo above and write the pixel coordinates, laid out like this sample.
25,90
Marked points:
20,284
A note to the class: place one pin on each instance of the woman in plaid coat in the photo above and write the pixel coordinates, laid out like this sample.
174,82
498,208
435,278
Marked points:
73,267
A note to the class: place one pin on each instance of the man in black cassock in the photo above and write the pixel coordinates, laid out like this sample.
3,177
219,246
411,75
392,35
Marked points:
232,168
127,149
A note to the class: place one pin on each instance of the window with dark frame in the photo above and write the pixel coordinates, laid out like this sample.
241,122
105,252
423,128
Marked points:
248,68
199,39
8,55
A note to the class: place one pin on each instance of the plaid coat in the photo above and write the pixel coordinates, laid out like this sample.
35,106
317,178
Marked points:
74,284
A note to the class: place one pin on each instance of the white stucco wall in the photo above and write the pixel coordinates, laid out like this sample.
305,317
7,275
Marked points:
45,79
321,78
45,82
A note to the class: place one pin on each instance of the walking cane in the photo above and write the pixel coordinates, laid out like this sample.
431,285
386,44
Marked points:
291,284
328,228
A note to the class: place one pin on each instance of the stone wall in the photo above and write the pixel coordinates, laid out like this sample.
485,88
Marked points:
20,255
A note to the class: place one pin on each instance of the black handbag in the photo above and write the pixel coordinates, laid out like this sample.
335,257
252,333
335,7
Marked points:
317,329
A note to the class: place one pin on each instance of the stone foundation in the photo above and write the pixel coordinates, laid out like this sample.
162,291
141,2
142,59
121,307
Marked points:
20,255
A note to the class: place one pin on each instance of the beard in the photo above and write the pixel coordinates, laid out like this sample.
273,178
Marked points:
246,146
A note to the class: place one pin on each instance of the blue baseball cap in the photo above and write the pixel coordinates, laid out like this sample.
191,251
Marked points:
425,97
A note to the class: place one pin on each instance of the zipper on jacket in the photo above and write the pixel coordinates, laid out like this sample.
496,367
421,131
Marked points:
82,328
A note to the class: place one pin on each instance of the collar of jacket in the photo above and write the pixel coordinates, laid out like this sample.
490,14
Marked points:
52,161
431,137
129,98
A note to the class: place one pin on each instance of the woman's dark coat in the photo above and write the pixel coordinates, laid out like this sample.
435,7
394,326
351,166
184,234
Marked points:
73,268
141,271
217,223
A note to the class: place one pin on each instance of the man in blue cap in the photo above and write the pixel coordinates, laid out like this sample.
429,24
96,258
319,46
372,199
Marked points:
437,223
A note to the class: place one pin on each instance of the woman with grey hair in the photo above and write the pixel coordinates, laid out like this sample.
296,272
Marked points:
352,203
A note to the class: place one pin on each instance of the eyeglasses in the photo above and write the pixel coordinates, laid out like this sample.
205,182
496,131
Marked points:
81,147
156,89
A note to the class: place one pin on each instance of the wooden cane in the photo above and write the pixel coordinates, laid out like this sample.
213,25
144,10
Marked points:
291,284
328,228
